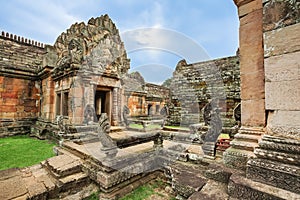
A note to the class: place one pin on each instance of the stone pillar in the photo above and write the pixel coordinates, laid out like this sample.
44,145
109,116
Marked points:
114,120
277,157
252,84
76,95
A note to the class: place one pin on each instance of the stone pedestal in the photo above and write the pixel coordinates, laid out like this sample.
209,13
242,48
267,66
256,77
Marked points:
209,149
277,163
242,147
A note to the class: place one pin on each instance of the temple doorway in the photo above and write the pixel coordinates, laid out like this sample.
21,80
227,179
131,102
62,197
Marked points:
103,102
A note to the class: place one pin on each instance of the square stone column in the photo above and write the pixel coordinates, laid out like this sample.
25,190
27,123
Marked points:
252,84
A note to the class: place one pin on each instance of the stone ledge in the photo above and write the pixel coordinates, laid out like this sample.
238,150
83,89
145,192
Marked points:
242,188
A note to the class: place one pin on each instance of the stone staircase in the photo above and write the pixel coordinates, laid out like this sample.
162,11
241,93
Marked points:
242,147
59,177
66,172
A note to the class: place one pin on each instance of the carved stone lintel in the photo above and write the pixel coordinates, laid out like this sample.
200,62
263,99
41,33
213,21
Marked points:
274,173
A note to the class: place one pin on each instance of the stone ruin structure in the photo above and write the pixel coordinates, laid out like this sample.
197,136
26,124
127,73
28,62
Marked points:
144,99
85,68
194,86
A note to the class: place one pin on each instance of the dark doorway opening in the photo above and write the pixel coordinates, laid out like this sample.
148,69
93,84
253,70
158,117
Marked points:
102,103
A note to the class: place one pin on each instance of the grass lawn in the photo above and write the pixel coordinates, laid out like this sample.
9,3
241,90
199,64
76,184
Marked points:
23,151
149,191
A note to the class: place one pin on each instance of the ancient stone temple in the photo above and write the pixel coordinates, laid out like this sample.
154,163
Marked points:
76,89
79,77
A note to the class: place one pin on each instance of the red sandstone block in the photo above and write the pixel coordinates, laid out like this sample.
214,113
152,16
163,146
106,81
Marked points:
20,108
10,102
17,88
7,115
253,112
7,108
253,85
9,95
249,7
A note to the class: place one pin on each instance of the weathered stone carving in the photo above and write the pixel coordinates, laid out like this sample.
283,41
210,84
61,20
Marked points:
96,46
197,133
63,128
278,13
125,115
276,163
165,113
212,117
108,145
89,114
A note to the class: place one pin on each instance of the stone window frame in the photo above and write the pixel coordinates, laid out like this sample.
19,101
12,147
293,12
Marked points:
62,103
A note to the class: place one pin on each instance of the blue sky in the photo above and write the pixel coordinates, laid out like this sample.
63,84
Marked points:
192,29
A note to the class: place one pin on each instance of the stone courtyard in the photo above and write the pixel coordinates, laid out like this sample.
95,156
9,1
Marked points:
227,128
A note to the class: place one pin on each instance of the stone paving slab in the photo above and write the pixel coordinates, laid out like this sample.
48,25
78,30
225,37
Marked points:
12,185
211,191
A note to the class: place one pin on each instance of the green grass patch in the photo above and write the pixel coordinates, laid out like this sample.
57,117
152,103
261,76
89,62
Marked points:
23,151
94,196
140,193
145,191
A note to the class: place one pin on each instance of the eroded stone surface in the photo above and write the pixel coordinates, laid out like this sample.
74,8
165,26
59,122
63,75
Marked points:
12,179
282,41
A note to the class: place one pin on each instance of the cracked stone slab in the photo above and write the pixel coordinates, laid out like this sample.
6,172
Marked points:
11,184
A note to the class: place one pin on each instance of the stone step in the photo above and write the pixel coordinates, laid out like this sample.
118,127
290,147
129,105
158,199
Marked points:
244,145
73,183
77,177
75,149
62,165
247,137
242,188
80,135
251,131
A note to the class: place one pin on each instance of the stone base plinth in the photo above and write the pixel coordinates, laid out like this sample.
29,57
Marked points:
276,163
242,147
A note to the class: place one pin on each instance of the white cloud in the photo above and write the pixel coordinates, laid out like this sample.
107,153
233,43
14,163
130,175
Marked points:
158,39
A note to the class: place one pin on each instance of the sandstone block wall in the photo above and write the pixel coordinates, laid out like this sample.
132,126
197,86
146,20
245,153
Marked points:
20,57
282,67
19,105
194,85
20,60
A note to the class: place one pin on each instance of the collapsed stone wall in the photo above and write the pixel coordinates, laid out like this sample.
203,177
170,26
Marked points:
20,61
195,85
